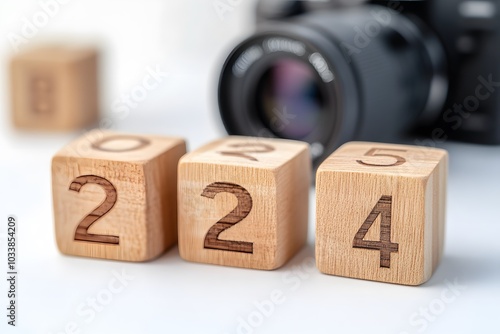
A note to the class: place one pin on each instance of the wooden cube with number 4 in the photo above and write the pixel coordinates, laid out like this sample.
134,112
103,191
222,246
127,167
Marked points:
244,202
115,195
381,212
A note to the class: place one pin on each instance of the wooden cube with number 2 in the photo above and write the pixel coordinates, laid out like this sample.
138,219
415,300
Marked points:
381,211
115,195
244,202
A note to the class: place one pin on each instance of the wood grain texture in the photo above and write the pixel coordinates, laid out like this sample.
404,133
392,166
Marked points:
54,88
144,216
257,193
380,211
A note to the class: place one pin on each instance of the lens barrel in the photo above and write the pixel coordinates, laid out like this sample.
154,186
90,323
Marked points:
364,73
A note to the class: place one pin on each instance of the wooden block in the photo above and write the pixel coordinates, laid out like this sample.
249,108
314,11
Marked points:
115,195
54,88
381,212
244,202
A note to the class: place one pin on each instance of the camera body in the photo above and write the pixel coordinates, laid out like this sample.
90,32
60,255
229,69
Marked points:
385,69
470,34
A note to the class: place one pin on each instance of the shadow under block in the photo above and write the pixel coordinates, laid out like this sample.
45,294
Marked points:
244,202
54,89
380,211
115,195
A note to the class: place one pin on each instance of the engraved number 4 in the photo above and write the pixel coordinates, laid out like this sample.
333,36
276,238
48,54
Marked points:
385,246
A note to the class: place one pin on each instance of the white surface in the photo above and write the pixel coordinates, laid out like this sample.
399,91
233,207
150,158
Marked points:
169,295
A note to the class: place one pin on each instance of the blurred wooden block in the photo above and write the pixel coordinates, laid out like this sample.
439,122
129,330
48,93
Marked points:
381,212
54,89
244,202
115,195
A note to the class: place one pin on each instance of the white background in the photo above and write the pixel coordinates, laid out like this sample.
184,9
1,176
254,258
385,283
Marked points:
189,40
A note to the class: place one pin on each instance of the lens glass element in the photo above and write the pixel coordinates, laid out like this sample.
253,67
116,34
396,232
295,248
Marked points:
289,99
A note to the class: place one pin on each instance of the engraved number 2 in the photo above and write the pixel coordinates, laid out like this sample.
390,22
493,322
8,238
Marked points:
239,213
81,233
251,148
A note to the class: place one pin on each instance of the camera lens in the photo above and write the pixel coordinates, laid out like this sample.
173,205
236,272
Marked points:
289,100
332,76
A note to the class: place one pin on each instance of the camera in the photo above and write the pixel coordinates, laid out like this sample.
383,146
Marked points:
328,72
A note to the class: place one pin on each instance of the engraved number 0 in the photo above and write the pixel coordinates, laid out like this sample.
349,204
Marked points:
81,233
239,213
141,143
42,95
385,246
